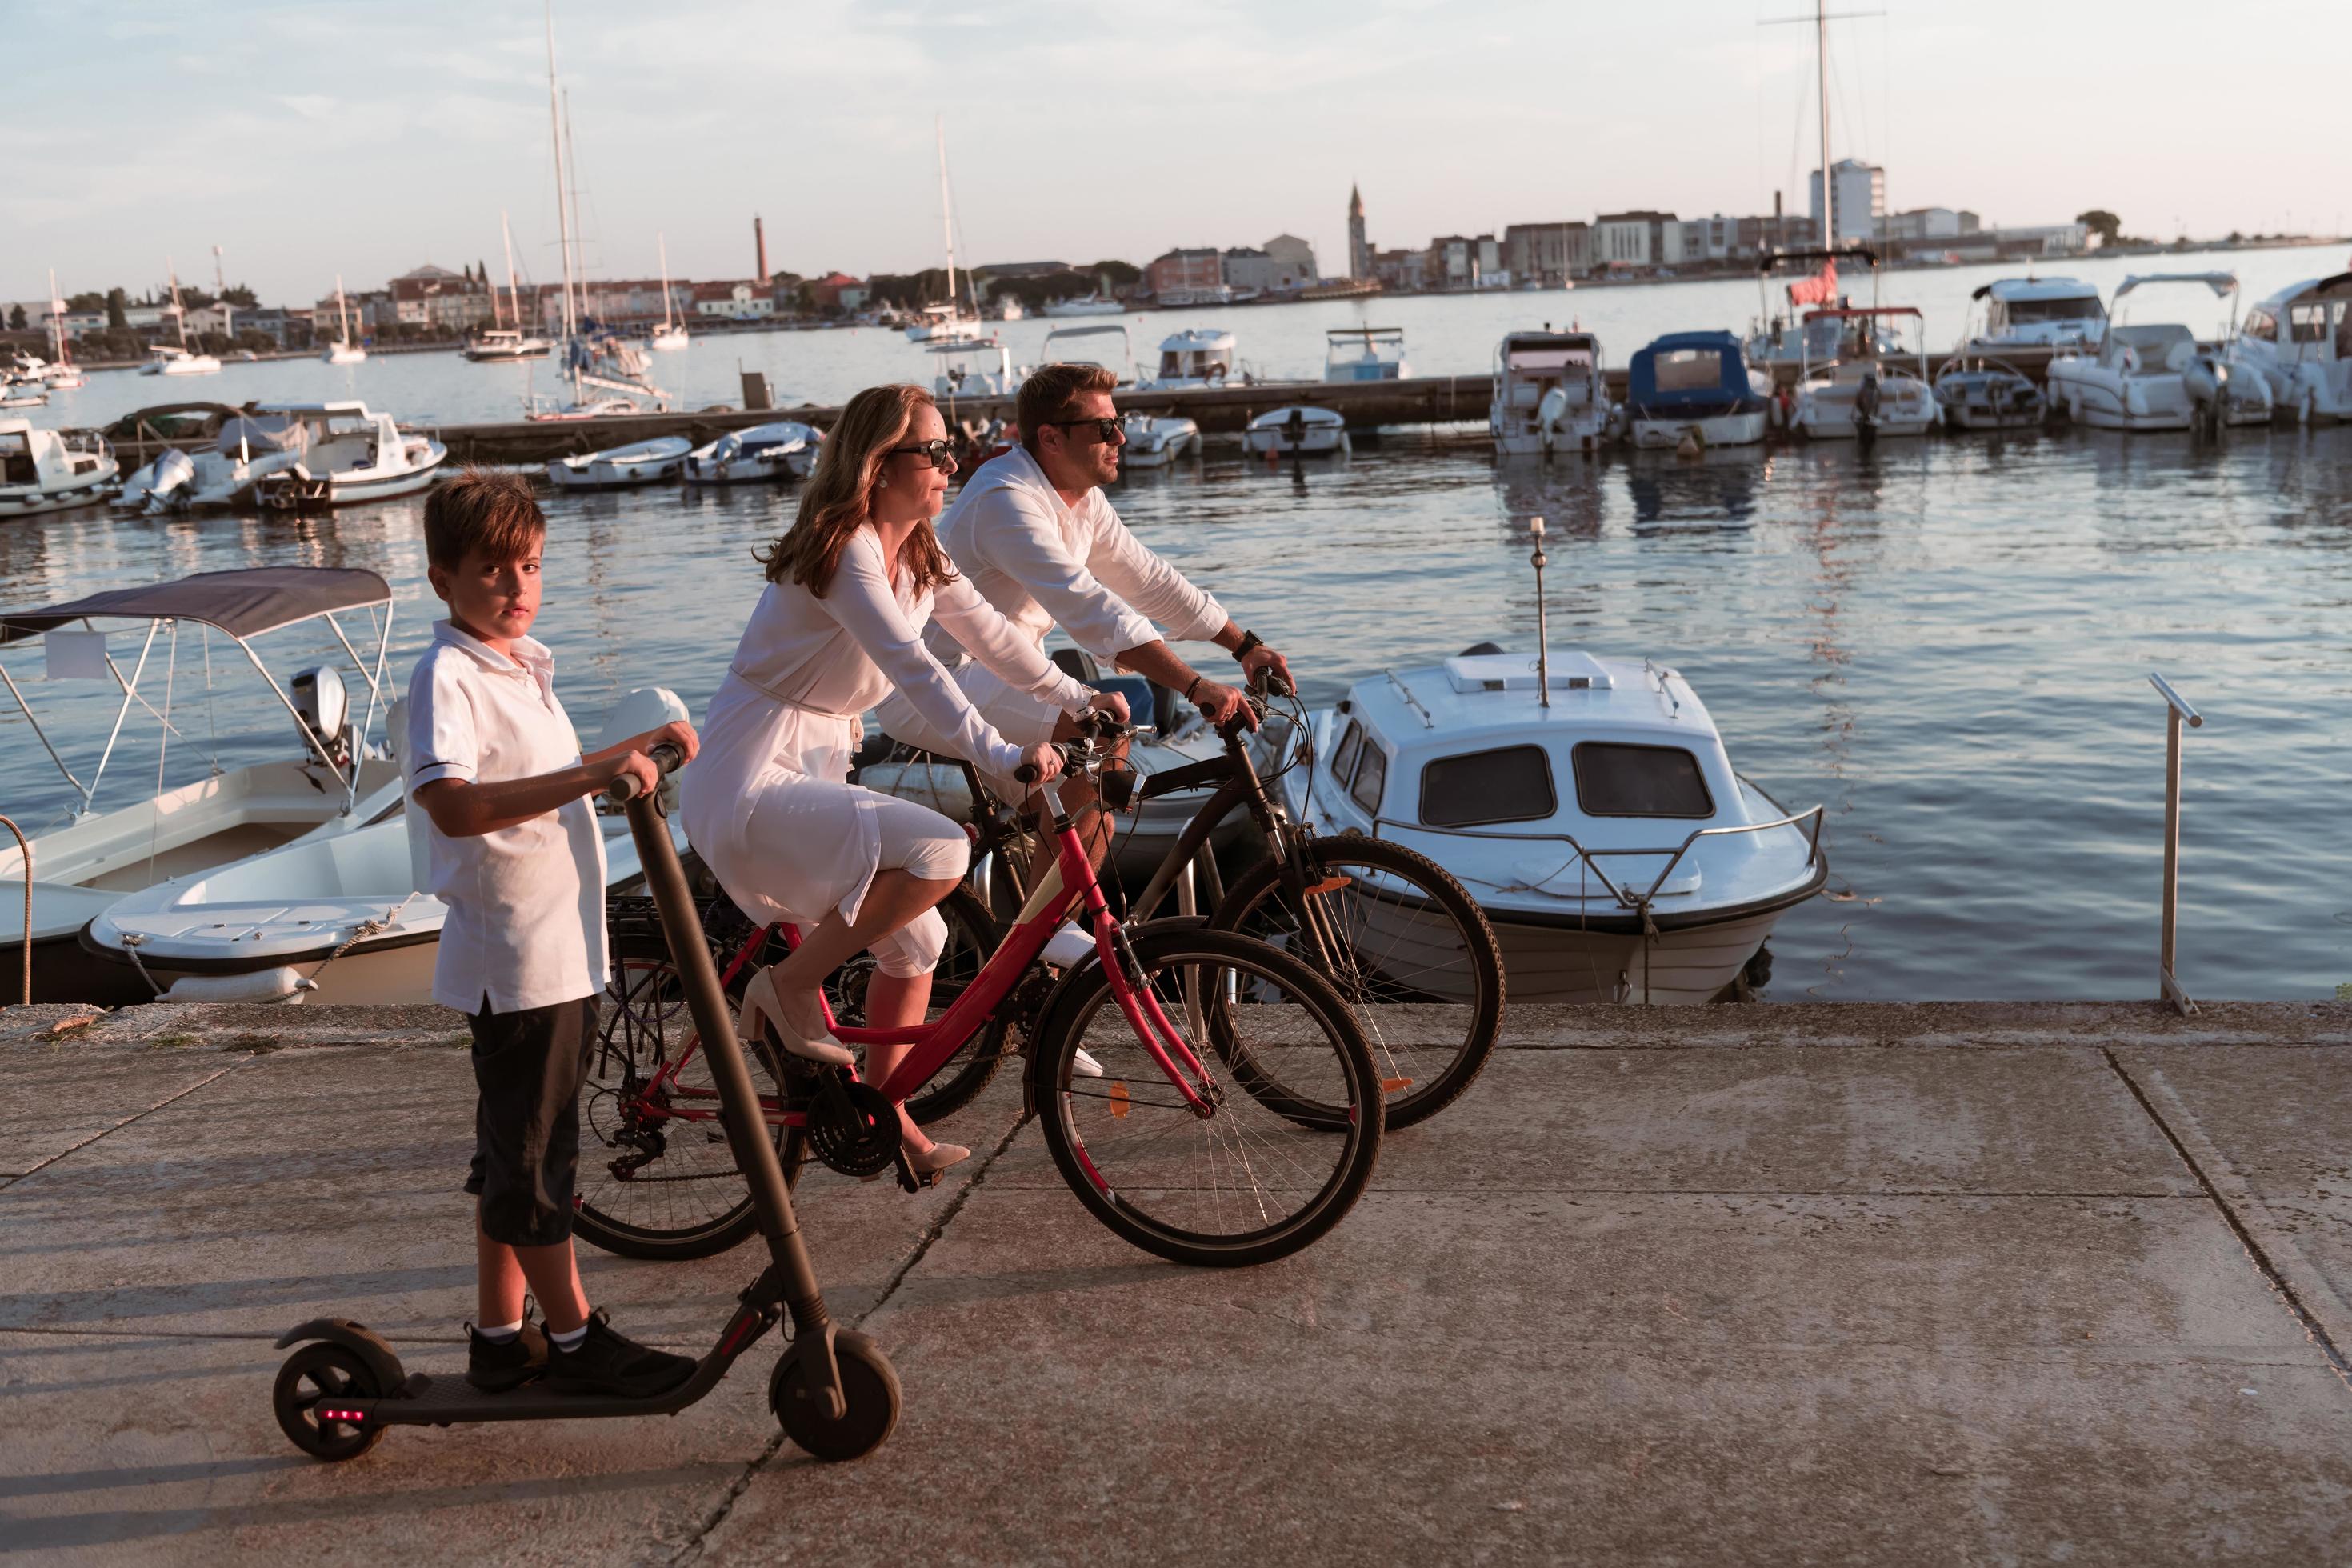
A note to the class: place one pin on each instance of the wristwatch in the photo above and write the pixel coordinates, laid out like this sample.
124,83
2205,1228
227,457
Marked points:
1250,640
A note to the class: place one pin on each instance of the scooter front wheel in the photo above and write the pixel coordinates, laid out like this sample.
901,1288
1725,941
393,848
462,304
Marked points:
310,1385
869,1387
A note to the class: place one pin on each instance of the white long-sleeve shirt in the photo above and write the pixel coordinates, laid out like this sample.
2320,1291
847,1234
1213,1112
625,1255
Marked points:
1043,565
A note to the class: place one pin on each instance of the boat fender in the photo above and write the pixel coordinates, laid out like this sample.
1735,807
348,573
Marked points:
283,983
1692,443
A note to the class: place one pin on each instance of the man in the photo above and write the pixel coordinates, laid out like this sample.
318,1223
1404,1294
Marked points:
1037,536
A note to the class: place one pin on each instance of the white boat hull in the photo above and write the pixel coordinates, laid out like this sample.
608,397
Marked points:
621,468
1717,430
84,489
1321,434
1515,436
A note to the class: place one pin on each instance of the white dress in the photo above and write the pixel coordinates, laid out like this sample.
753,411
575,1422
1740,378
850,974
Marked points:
784,723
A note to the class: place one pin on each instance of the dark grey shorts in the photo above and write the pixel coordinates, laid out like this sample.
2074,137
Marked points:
527,1071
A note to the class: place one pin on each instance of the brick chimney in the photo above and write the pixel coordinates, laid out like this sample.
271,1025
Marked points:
759,239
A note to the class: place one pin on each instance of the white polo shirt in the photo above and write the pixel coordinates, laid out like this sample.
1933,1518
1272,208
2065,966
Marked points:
526,926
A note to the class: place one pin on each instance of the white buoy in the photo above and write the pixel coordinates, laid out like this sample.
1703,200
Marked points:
283,983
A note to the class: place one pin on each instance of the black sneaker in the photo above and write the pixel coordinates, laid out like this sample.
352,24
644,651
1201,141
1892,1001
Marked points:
494,1366
604,1362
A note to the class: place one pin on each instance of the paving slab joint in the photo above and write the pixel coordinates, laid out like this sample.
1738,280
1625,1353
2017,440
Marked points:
2273,1273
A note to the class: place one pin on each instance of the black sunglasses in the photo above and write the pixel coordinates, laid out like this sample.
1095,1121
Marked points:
1106,431
941,453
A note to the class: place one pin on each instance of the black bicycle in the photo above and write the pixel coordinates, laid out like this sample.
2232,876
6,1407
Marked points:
1391,931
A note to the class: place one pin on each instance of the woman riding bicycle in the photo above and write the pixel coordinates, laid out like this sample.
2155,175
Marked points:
767,803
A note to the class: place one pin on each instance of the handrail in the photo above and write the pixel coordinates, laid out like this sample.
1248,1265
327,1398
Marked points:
1590,856
2169,989
24,849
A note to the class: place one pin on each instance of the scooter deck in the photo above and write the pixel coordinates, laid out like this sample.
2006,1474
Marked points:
424,1400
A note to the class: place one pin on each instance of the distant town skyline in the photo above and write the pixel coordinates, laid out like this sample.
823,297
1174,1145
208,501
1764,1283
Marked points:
307,139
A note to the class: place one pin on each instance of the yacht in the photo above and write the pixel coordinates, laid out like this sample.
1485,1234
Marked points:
165,360
349,454
2035,312
2156,376
973,367
342,921
1587,803
1364,354
670,336
621,468
1550,393
1297,430
1095,304
1197,357
1696,388
764,454
334,779
499,345
52,470
1871,394
342,351
2299,341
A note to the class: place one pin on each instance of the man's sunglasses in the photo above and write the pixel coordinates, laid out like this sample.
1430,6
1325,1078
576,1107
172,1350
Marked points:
1106,431
941,453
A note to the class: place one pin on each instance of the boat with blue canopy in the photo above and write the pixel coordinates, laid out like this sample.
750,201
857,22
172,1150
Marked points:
1695,385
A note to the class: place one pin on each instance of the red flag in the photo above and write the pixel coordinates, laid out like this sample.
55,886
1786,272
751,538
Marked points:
1818,289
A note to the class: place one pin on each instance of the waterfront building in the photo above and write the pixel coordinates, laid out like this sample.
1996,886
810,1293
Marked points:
1400,271
1361,262
733,302
839,291
1714,238
1640,239
440,301
1548,253
1294,261
1187,275
1861,199
1928,223
1282,265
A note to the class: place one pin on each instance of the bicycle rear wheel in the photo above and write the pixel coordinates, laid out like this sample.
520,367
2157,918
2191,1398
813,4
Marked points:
1253,1180
1407,947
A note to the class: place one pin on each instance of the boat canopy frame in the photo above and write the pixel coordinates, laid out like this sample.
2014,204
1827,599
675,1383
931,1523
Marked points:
241,604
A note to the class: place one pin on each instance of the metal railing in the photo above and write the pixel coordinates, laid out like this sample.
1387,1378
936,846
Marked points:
2177,710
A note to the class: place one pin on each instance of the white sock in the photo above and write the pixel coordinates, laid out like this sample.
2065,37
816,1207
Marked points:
502,1333
570,1342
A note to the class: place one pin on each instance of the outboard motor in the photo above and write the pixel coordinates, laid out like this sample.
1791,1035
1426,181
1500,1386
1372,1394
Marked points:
2207,382
1866,406
160,480
1548,414
319,696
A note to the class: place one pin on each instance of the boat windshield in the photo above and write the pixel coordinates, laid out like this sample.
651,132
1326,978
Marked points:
1688,370
2021,311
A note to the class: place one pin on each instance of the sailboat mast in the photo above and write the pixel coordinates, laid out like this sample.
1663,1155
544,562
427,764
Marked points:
179,316
947,208
556,131
1822,62
663,241
514,299
57,318
342,311
579,234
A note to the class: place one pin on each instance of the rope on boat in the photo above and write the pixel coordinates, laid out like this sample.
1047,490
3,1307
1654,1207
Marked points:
131,940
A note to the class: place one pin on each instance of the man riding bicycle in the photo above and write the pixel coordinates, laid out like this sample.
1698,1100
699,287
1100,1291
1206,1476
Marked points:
1037,537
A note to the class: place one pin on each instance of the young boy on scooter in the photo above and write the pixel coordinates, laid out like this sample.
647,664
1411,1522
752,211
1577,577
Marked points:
514,852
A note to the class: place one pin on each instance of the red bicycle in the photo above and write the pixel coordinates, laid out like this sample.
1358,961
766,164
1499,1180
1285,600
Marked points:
1237,1118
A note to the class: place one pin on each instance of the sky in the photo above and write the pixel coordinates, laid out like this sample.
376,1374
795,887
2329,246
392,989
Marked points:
330,136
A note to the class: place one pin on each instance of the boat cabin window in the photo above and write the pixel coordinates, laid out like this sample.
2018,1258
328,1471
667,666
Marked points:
1372,777
2077,310
1343,757
2307,324
2261,326
1688,370
16,465
1509,784
1617,780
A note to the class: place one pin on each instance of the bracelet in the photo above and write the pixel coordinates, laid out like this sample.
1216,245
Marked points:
1192,688
1250,641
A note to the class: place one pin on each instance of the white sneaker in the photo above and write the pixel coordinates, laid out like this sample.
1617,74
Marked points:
1069,947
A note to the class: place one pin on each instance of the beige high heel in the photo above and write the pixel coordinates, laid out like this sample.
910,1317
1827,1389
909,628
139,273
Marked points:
763,1007
932,1161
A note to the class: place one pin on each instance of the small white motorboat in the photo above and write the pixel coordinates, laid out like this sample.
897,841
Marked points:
165,360
1297,431
246,449
1096,304
764,454
1550,394
349,455
973,366
1870,394
1979,393
1156,440
503,345
2155,377
1197,357
52,470
335,781
620,467
339,921
1364,354
24,395
2299,341
2035,312
1588,806
1695,389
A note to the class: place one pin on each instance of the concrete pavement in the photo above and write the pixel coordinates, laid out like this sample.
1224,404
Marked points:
1964,1284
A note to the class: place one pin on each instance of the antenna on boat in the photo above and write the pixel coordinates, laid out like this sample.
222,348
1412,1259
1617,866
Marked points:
1543,651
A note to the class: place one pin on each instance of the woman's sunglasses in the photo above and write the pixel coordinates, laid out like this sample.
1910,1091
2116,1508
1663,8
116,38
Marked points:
941,453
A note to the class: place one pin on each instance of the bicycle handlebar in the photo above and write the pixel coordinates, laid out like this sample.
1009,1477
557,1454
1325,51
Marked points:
1097,729
667,758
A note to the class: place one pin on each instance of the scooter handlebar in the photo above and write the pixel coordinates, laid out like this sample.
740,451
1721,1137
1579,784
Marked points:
668,757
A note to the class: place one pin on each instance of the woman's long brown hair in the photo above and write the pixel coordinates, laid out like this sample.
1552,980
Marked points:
839,497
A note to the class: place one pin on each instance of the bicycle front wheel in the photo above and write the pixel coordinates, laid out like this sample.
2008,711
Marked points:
1407,947
1251,1179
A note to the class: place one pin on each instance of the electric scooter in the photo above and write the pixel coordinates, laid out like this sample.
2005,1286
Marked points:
833,1390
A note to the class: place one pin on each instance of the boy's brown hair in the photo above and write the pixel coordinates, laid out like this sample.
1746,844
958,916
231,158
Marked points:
1050,390
488,509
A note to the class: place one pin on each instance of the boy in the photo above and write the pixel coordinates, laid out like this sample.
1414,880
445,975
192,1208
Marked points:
515,854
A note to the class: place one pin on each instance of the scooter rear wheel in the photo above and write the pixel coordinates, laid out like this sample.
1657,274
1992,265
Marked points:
313,1378
869,1387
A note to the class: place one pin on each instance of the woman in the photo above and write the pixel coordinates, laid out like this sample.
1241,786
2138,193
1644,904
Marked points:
767,803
